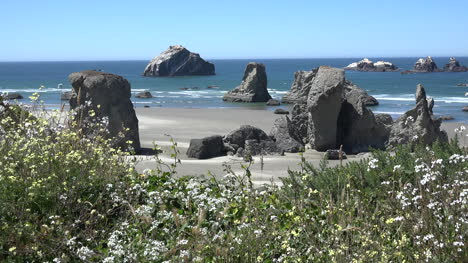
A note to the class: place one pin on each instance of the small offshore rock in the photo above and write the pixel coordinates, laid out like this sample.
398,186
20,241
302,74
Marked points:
368,66
335,154
13,96
281,111
465,108
144,95
253,87
425,65
207,147
454,66
273,102
462,85
146,106
178,61
446,118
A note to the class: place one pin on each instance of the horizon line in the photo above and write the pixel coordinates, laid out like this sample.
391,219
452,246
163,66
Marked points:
246,58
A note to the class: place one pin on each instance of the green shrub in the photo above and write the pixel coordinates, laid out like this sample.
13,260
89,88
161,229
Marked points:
66,197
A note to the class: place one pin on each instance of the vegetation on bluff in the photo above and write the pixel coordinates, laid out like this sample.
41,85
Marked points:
67,197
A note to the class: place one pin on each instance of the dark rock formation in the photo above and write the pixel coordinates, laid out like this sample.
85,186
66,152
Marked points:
108,95
255,147
281,111
462,85
244,133
249,141
369,66
178,61
370,101
417,124
283,135
465,108
207,147
13,96
336,114
446,118
384,118
335,155
430,104
300,87
144,95
454,66
425,65
323,107
253,87
273,102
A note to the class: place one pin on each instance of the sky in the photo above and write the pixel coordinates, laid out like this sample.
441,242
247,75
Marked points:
71,30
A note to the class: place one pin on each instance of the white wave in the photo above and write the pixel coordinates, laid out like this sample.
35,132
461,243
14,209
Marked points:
33,90
390,112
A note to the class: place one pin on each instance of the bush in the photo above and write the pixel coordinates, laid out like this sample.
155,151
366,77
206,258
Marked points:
67,197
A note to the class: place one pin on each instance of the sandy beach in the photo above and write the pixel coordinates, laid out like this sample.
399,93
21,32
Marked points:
183,124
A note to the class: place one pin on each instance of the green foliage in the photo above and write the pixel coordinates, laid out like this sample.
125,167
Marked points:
66,197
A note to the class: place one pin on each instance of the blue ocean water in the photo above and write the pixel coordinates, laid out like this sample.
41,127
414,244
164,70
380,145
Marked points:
394,91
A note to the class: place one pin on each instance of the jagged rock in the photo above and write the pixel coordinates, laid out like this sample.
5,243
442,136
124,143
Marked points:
335,155
281,111
454,66
273,102
369,66
446,118
357,127
207,147
244,133
144,95
300,87
336,114
254,147
417,124
13,96
67,95
430,104
425,65
283,137
384,118
323,107
112,94
299,120
370,101
253,87
178,61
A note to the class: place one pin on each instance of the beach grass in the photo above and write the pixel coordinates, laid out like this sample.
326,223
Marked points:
70,197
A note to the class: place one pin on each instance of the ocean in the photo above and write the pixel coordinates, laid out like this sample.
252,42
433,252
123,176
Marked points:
394,91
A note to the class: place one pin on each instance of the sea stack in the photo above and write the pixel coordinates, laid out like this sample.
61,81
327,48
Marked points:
178,61
253,87
425,65
108,96
454,66
367,65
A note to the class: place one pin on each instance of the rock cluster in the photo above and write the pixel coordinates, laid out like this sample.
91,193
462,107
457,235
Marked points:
428,65
417,124
454,66
245,141
334,115
178,61
369,66
13,96
253,87
303,82
108,96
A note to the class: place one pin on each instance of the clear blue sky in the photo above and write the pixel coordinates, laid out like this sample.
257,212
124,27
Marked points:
44,30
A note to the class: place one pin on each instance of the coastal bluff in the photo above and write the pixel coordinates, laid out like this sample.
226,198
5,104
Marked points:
178,61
